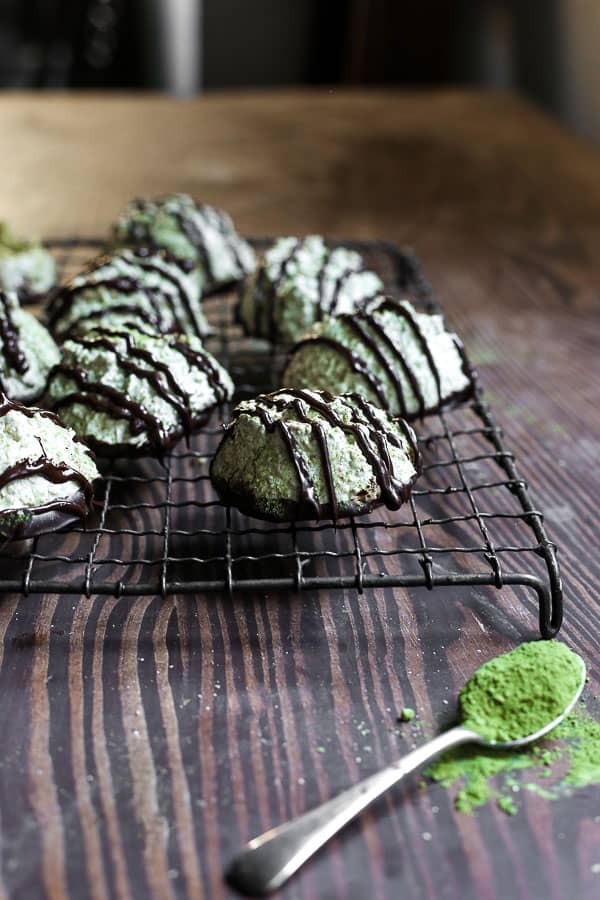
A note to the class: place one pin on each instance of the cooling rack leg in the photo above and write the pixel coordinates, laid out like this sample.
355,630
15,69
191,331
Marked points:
550,603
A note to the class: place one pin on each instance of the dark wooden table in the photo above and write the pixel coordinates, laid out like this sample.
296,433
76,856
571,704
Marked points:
144,740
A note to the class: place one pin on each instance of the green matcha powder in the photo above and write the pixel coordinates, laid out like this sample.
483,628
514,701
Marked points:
520,692
507,698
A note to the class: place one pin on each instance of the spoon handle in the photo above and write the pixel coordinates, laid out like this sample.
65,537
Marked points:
266,862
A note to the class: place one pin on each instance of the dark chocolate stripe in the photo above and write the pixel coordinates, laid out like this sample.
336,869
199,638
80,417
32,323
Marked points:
305,482
130,309
407,315
226,233
320,283
64,298
321,439
149,266
468,370
204,361
357,323
9,336
371,321
338,285
196,239
356,363
407,431
7,406
57,473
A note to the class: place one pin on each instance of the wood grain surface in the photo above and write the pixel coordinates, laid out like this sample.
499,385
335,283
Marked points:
143,740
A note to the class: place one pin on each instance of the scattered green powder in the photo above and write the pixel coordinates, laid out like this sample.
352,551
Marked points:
544,755
534,788
584,755
572,748
407,714
475,768
507,805
516,694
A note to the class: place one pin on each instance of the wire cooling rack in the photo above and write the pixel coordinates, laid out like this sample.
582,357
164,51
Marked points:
162,530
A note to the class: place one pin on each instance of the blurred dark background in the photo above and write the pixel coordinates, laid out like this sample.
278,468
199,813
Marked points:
547,49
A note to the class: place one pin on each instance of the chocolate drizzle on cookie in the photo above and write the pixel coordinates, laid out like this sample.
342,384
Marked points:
196,238
145,262
360,324
77,504
195,221
364,427
118,404
166,387
63,299
406,313
329,289
206,363
132,282
368,326
10,339
136,318
56,473
338,286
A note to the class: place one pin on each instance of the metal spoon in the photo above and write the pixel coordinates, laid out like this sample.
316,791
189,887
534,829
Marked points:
267,861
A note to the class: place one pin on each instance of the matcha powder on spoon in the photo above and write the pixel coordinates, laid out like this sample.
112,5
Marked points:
510,697
520,692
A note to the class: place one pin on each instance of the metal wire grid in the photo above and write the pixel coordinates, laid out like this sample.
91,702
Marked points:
162,530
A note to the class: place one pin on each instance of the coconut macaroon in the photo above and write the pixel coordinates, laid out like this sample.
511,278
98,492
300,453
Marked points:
298,282
189,230
25,265
294,455
150,287
46,473
131,392
404,361
27,351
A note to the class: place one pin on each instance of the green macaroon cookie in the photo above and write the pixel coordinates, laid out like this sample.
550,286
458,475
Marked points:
46,473
150,287
294,455
25,265
194,231
132,392
298,282
404,361
27,351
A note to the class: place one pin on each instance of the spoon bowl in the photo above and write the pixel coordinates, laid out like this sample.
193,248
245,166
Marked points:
546,729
